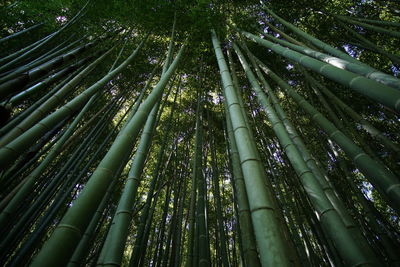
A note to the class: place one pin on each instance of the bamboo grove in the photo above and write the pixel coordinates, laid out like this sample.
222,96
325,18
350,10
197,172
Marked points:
199,133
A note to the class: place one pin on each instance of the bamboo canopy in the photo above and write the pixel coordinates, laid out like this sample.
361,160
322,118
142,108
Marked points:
199,133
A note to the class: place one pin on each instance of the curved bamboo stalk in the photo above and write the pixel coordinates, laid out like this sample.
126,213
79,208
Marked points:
65,188
331,50
284,35
350,251
370,45
138,249
368,26
15,100
363,70
377,22
53,153
56,99
15,120
61,245
114,244
18,83
62,49
384,181
269,236
8,58
20,32
12,150
367,126
44,41
246,228
326,186
374,90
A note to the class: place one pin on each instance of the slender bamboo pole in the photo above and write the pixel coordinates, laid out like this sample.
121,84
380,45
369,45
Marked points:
269,236
39,113
369,26
375,21
367,126
326,47
348,248
374,90
363,70
384,181
66,236
12,150
9,37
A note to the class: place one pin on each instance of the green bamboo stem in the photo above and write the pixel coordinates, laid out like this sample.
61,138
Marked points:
16,119
220,214
284,35
81,129
53,153
177,255
377,22
367,126
25,162
80,153
50,37
176,226
8,212
142,93
60,246
361,44
269,183
350,131
50,58
384,181
203,242
363,70
12,150
47,193
197,186
56,99
250,254
374,90
238,92
269,236
8,58
16,84
369,27
50,54
344,125
159,250
349,250
148,226
313,166
11,36
81,249
65,190
378,226
137,251
172,224
114,245
189,260
51,185
370,45
17,99
305,258
329,49
331,113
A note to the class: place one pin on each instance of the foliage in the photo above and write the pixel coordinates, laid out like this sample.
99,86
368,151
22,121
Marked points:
252,178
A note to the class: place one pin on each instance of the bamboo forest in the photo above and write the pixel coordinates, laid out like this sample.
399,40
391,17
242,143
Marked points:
199,133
